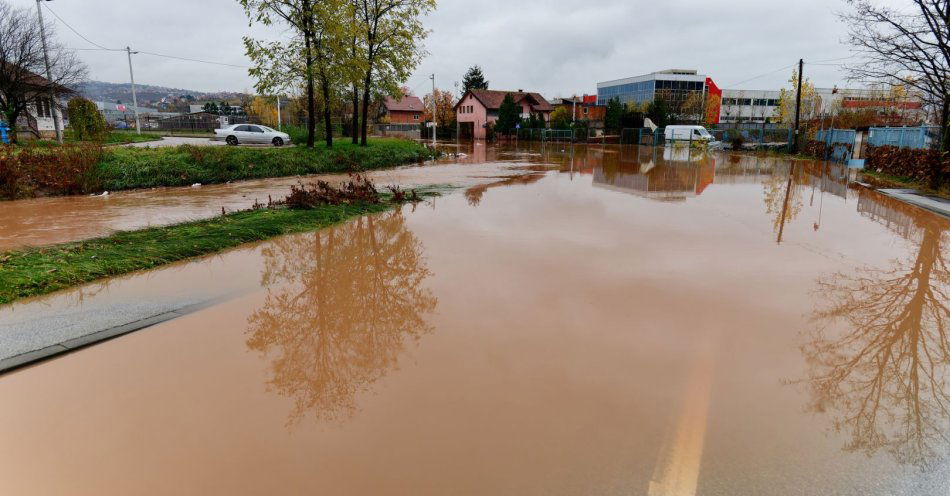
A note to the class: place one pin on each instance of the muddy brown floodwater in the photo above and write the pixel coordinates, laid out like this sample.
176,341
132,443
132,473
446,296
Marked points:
615,321
45,221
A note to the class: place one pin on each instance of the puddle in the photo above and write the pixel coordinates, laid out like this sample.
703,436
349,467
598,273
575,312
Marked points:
618,321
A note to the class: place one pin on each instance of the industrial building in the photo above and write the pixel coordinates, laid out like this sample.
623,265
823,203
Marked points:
759,106
676,83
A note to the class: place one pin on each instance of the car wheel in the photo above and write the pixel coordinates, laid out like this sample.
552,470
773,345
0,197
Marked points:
278,142
231,141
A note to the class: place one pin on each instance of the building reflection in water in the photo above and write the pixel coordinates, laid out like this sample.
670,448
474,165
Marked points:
664,174
342,305
879,355
474,194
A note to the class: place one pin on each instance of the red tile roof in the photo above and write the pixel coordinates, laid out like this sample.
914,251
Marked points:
404,104
492,99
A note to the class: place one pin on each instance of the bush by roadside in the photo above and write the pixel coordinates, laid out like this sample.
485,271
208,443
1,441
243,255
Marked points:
916,165
66,170
87,168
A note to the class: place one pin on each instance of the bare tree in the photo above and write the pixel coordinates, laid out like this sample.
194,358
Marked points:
910,47
21,64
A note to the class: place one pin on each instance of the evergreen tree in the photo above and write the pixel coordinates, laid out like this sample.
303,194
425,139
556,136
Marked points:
474,79
660,113
509,115
613,114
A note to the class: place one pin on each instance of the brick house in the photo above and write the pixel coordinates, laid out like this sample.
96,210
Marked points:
585,109
479,108
405,110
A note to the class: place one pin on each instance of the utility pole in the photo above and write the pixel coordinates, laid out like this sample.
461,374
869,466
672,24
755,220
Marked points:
432,77
798,103
278,111
54,108
574,109
135,102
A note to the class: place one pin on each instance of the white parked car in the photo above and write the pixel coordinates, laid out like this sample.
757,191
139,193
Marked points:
237,134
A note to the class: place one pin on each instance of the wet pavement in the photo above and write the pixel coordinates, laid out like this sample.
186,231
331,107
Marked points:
607,321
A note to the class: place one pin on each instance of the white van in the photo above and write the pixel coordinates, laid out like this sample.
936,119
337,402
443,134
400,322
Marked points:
675,134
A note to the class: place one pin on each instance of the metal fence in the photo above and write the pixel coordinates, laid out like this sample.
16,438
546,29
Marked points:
923,137
557,135
755,137
411,131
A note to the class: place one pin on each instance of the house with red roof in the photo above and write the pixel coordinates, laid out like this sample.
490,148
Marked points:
405,110
478,109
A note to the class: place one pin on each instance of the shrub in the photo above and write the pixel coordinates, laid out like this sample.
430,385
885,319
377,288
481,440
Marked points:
61,170
357,190
919,165
85,120
737,141
11,173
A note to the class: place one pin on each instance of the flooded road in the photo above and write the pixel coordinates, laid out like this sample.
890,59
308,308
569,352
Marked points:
45,221
610,321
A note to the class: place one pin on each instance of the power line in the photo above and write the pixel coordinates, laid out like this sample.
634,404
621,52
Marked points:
194,60
831,60
102,48
77,32
760,76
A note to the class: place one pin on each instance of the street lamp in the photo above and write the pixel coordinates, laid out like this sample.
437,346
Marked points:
49,75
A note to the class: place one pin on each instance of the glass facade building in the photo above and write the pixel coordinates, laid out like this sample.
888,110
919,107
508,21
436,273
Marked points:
675,86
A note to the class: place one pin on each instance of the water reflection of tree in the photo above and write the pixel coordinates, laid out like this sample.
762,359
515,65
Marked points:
342,305
886,375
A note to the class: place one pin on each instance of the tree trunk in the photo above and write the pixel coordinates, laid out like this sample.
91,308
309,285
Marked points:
936,174
311,105
365,113
356,119
327,121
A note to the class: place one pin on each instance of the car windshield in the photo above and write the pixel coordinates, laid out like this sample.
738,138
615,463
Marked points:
267,129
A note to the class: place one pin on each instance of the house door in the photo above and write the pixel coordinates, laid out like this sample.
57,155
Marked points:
466,130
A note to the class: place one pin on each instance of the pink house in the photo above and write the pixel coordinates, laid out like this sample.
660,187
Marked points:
477,108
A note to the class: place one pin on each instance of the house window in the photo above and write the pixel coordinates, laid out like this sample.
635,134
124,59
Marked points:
415,117
43,108
585,110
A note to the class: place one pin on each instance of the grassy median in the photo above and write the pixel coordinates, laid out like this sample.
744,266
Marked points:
126,168
38,271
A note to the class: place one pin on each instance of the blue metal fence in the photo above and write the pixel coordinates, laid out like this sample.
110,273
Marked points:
839,143
922,137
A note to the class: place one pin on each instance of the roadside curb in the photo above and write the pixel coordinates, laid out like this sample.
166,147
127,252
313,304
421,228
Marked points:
915,198
31,357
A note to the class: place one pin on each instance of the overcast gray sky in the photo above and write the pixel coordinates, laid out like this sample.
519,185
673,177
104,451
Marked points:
555,47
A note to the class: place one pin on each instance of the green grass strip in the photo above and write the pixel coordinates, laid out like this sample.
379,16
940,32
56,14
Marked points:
128,168
37,271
